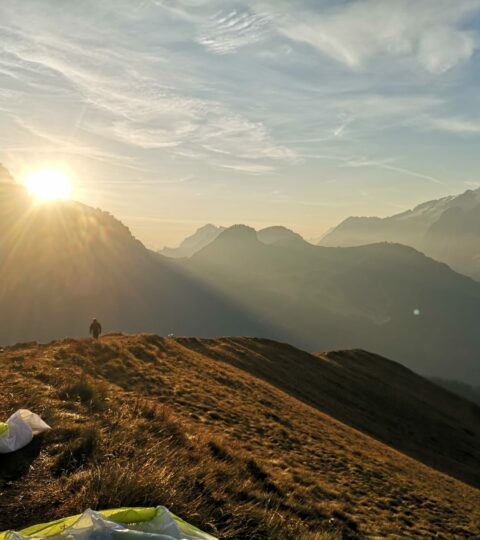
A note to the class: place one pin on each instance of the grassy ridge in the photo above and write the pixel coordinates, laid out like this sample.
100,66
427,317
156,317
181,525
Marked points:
368,392
143,420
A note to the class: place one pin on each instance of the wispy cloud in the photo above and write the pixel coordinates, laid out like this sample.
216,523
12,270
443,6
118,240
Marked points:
248,168
54,145
455,124
232,29
389,165
139,108
430,32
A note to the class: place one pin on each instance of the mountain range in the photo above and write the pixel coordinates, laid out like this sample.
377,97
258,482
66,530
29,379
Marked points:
205,235
64,263
383,297
447,229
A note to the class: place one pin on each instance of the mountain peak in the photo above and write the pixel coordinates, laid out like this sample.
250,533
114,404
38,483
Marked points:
208,227
234,241
239,232
194,243
446,229
278,233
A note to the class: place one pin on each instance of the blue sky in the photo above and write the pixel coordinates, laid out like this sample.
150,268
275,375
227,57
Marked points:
171,114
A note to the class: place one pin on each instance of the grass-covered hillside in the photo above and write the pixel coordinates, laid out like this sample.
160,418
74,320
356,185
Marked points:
145,420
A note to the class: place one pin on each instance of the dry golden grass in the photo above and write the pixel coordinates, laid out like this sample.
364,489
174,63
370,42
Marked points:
144,420
370,393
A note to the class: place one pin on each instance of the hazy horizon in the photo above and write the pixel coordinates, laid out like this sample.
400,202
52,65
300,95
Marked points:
345,108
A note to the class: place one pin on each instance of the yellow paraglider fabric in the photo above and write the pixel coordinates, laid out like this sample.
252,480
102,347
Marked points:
119,515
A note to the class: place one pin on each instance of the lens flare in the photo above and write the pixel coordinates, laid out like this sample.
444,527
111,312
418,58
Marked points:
49,184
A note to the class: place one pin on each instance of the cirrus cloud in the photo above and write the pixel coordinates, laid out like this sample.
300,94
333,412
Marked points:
431,32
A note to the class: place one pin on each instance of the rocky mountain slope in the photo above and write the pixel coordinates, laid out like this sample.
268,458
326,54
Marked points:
447,229
145,420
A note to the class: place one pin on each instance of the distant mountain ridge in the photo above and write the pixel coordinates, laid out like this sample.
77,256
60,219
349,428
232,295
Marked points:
208,233
464,390
278,235
190,245
446,229
388,298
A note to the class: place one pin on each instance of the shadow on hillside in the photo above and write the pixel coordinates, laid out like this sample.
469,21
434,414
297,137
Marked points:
367,392
16,464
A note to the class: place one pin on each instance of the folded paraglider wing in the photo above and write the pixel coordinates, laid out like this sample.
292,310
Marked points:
120,524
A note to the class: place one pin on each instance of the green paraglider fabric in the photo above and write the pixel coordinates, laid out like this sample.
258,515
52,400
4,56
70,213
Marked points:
155,520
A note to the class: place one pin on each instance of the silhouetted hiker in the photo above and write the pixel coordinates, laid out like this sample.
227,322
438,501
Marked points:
95,329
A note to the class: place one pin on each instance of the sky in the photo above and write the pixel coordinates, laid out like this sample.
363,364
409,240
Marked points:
172,114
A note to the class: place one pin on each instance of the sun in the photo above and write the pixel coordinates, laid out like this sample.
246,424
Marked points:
49,184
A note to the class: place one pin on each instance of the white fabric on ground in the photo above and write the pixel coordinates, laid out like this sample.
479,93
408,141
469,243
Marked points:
22,427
